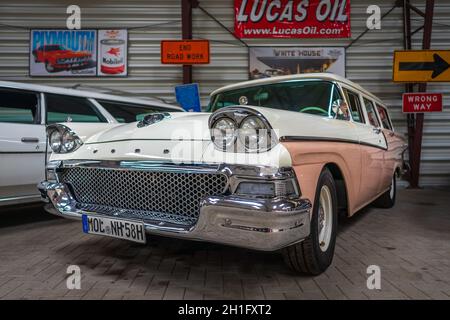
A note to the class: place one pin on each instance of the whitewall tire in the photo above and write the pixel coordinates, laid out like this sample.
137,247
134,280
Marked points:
314,254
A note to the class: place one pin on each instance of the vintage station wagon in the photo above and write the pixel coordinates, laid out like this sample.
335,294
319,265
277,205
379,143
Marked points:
269,167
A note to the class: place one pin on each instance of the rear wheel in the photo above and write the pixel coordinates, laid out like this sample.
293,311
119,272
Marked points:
315,254
387,199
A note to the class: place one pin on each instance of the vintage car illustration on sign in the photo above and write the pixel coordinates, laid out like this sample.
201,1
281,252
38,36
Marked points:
270,167
57,58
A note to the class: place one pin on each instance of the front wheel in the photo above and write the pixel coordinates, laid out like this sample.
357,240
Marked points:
49,67
315,254
387,199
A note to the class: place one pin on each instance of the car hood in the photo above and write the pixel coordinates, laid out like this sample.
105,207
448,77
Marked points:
188,126
176,126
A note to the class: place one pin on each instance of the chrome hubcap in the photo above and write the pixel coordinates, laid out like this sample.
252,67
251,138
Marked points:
325,224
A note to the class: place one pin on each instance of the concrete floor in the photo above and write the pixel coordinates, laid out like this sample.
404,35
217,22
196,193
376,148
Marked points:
410,243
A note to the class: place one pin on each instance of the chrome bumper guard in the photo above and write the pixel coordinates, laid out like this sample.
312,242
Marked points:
265,224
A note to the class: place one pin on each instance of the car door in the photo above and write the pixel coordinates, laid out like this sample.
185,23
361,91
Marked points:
373,147
345,130
360,129
395,147
22,145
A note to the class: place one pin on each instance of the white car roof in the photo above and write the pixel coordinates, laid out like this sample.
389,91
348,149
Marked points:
88,94
320,76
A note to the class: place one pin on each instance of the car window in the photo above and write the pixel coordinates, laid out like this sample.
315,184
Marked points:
305,96
128,112
355,106
19,106
62,108
371,113
384,117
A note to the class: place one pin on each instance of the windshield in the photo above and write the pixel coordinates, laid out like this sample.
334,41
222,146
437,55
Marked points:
306,96
125,112
53,47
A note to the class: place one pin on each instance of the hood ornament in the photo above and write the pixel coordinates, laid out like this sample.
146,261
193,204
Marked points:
152,118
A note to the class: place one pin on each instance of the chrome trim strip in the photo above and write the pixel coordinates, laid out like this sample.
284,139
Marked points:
125,140
34,196
327,139
258,172
235,173
20,152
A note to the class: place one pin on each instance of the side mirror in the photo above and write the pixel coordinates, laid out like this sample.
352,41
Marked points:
336,107
340,110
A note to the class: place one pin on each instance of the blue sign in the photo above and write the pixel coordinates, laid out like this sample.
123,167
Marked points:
188,97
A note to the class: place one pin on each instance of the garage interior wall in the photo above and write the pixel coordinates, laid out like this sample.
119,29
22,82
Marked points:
369,61
147,76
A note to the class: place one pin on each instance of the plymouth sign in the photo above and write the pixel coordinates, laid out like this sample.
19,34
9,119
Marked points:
292,19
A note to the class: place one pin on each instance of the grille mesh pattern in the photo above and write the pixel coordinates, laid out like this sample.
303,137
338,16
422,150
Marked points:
165,192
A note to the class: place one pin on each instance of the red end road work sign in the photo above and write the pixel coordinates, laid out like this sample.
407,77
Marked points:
422,102
185,52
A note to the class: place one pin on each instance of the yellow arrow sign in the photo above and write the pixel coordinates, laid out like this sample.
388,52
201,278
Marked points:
422,66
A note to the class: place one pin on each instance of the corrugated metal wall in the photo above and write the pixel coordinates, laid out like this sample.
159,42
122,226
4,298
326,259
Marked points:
369,61
146,74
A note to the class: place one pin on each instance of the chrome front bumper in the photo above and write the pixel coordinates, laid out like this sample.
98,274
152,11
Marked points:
265,224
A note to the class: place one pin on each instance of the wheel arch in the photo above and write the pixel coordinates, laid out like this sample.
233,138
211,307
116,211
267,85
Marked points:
341,188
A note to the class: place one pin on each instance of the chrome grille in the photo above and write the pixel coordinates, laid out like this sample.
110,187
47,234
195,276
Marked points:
146,192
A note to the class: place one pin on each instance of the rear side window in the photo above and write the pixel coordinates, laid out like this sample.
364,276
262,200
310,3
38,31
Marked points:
355,106
126,112
371,113
19,107
62,108
384,117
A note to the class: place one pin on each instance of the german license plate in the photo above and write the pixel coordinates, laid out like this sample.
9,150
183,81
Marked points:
116,228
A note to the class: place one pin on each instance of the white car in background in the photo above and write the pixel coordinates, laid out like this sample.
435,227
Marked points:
26,109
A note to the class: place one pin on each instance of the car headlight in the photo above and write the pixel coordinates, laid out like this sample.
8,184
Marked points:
62,139
55,140
254,134
241,129
223,133
69,141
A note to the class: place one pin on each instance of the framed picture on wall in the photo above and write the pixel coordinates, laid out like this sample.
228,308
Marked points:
265,62
64,53
113,52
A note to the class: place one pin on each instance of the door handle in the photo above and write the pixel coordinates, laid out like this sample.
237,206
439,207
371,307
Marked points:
377,130
30,140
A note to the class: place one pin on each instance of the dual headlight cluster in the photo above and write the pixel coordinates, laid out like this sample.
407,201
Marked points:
62,139
241,130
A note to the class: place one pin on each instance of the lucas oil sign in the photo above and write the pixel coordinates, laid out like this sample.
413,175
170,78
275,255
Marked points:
292,18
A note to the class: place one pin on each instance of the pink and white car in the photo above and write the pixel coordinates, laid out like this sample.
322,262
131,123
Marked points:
269,167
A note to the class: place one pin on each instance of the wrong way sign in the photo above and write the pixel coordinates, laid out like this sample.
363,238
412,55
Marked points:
422,102
422,66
